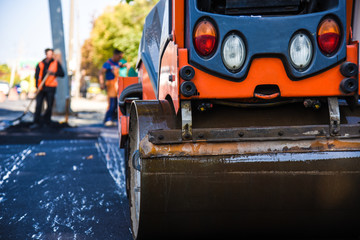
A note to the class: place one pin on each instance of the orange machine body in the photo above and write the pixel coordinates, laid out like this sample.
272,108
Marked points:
263,70
123,125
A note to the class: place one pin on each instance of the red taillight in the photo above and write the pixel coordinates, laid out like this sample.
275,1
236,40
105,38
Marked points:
329,36
205,38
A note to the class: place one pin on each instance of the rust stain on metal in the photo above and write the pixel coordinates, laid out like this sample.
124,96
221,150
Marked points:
149,150
336,144
294,173
317,145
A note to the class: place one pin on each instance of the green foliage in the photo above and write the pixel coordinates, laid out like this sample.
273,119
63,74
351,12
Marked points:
87,55
4,69
118,27
5,72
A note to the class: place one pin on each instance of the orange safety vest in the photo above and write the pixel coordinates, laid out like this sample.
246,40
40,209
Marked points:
112,85
51,80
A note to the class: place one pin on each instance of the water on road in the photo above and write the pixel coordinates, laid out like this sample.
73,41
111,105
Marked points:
63,189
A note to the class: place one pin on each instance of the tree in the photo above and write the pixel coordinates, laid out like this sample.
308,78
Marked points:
118,27
5,74
5,71
87,55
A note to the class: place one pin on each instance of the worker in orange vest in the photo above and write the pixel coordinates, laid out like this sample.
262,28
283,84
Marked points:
111,71
53,68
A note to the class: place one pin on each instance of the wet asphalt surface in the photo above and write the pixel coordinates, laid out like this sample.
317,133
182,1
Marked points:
62,184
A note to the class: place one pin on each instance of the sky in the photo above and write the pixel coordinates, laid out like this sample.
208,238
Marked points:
25,26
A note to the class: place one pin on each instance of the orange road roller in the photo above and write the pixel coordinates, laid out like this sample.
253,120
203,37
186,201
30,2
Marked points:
244,120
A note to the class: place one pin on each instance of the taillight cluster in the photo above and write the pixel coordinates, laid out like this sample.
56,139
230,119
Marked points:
301,49
329,36
205,38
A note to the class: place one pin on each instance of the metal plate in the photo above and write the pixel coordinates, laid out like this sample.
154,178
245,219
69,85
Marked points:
173,136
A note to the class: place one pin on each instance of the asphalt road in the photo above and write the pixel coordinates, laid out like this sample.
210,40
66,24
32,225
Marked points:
62,184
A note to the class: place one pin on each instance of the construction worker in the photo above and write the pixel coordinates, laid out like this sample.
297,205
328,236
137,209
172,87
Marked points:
54,69
111,71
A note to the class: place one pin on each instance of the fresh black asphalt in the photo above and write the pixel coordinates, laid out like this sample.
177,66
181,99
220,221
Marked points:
62,183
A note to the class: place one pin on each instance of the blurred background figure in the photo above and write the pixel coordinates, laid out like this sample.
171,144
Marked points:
57,55
111,70
84,84
53,68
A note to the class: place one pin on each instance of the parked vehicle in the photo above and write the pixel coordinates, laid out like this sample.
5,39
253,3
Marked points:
244,120
93,89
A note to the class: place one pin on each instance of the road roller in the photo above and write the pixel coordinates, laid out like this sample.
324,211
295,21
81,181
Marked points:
244,120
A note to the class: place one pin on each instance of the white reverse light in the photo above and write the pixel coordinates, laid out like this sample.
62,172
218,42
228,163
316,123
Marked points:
233,52
301,50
